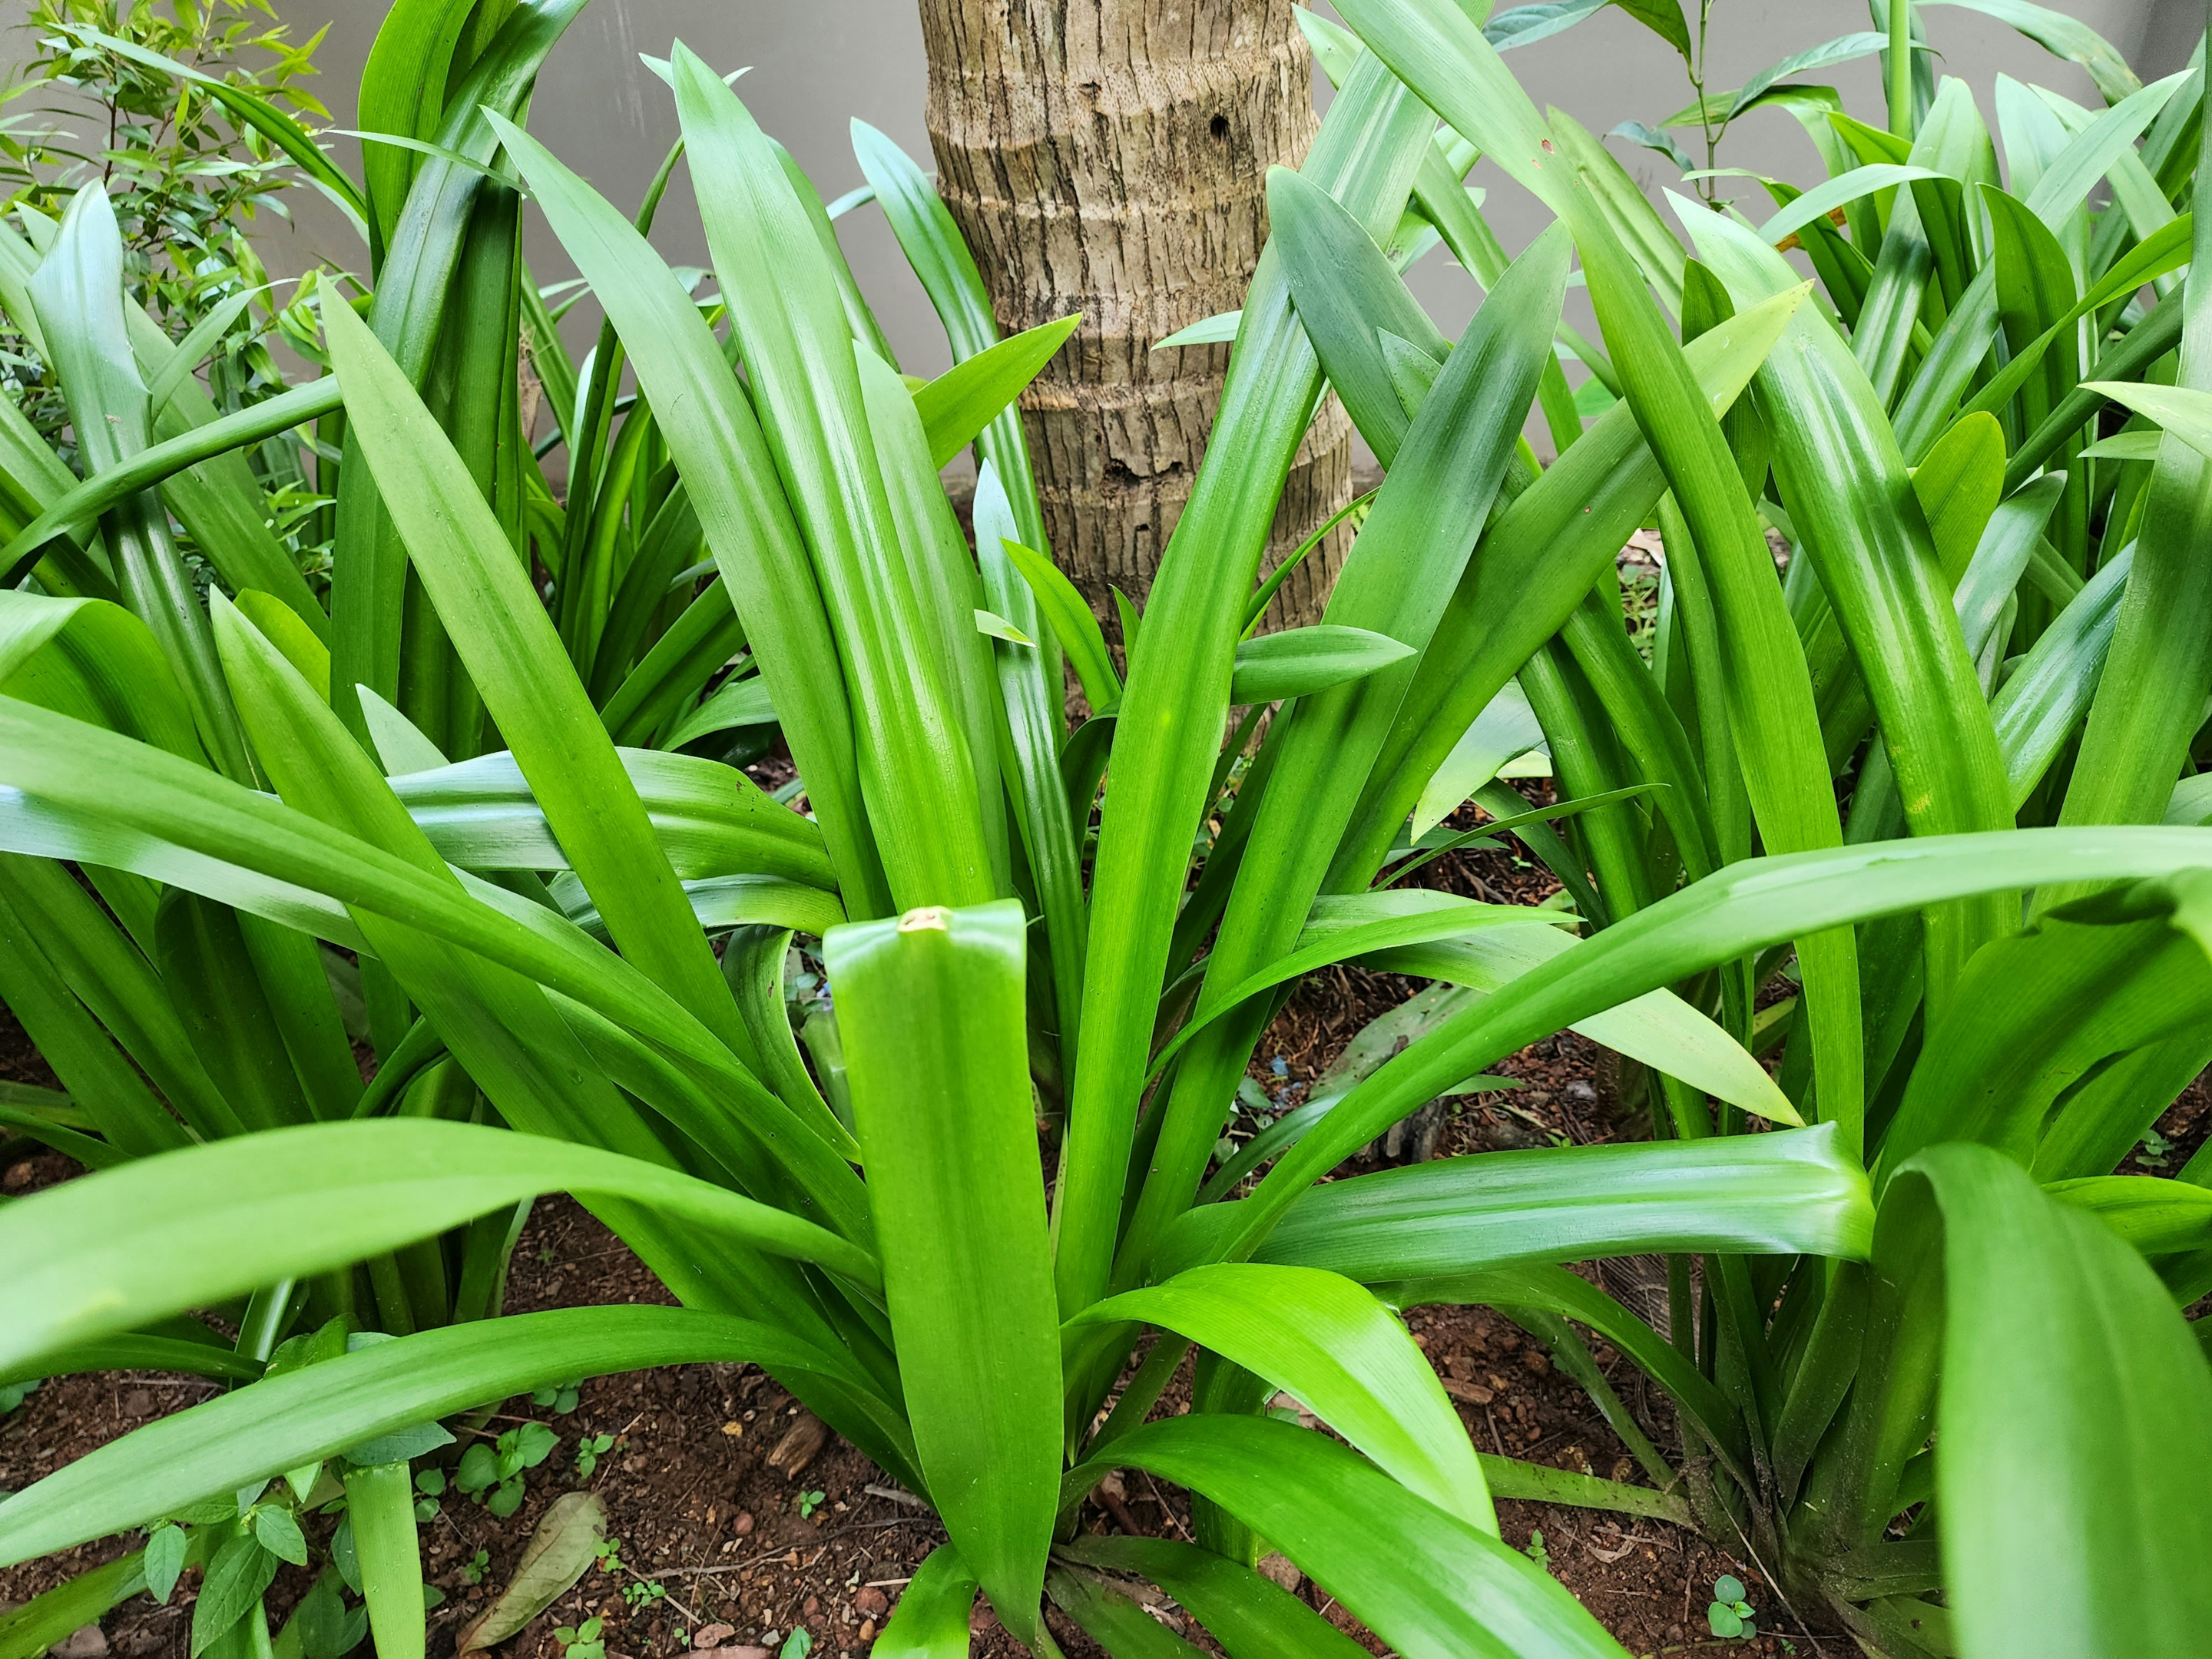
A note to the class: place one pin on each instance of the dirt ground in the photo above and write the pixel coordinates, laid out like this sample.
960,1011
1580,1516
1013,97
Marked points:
719,1548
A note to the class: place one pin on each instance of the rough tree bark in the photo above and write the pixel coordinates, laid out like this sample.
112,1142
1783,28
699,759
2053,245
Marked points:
1110,157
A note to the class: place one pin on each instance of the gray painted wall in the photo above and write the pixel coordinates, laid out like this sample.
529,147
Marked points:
815,66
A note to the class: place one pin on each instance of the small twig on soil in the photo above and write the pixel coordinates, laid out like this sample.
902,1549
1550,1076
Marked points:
1174,1520
1496,1439
897,1495
674,1603
888,1584
877,1526
1122,1518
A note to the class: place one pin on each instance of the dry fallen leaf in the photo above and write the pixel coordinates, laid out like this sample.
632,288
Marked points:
565,1543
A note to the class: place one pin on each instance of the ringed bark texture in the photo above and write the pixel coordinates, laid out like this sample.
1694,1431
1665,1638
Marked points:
1110,157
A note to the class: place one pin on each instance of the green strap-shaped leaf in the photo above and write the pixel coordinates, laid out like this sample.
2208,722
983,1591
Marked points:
1300,661
1343,926
1744,907
930,1012
1348,298
518,1048
1504,731
76,512
2038,1014
1554,1290
1071,620
1251,1616
30,1630
1657,1028
710,819
318,1411
2065,1370
919,775
79,292
113,978
967,396
380,1506
1413,549
1171,721
1784,1193
498,623
2042,700
403,90
2166,249
1522,26
2185,413
947,590
1031,687
2064,37
931,1620
1436,48
735,702
133,1352
114,1095
1116,1623
181,824
417,295
1825,199
2156,1215
2142,722
98,1256
713,434
934,246
1423,1580
217,500
1864,527
1325,1341
1526,578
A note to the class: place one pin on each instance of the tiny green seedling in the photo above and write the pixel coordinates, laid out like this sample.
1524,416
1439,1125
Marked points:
1535,1552
809,1502
561,1396
478,1566
581,1641
589,1451
1730,1615
492,1475
640,1592
2156,1150
431,1485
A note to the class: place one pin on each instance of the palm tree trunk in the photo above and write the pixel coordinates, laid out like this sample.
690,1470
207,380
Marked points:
1110,157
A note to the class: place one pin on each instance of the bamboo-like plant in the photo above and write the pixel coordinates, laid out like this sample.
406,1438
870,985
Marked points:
1924,1348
